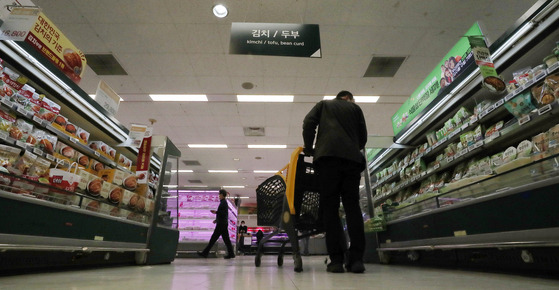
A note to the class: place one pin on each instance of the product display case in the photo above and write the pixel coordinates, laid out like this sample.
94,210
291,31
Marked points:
195,219
479,177
67,189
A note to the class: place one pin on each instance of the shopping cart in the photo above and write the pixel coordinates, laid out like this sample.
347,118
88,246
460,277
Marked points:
290,203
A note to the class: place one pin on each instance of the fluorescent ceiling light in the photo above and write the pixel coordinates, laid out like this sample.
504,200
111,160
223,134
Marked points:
358,99
207,145
233,186
267,146
179,98
220,11
235,197
265,98
183,171
170,186
191,185
223,171
93,97
265,171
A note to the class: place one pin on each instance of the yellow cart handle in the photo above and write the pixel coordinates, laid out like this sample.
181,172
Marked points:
290,182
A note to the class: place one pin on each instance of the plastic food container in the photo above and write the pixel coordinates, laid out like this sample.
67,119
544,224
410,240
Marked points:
550,60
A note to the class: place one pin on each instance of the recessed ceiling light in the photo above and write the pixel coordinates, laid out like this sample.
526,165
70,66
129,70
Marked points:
220,11
234,186
265,171
267,146
170,186
236,159
358,99
183,170
207,145
265,98
223,171
178,98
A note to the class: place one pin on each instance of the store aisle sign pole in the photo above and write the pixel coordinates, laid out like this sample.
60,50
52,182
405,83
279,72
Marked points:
48,40
448,69
278,39
16,19
107,97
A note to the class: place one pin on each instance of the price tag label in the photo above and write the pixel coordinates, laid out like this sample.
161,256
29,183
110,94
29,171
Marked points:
3,135
38,120
490,109
494,136
464,151
7,103
96,153
509,96
420,155
499,103
50,157
20,144
423,173
524,120
437,166
73,140
444,139
428,150
528,84
38,151
458,155
450,159
464,126
473,120
540,76
518,91
544,109
478,144
553,67
45,123
22,111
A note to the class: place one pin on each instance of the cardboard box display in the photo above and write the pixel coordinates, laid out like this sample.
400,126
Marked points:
95,166
63,151
106,189
82,135
130,181
114,176
115,195
85,177
71,129
60,122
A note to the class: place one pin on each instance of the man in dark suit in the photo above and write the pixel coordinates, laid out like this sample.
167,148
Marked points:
221,227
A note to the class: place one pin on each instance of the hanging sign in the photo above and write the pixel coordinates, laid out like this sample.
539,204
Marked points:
136,136
482,56
107,98
46,38
279,39
142,164
16,20
453,64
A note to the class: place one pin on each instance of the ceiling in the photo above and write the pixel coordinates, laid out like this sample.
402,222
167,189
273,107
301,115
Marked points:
180,47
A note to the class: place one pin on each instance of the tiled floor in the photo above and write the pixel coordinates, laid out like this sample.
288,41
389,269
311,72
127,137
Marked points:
240,273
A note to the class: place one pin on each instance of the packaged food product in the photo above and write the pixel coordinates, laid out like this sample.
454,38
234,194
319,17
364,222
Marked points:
449,125
543,94
461,115
11,84
523,76
115,195
459,171
7,119
477,134
112,175
550,60
553,136
482,106
83,135
539,143
484,166
71,129
539,70
552,81
509,155
60,122
83,160
520,105
95,186
20,130
497,160
96,166
40,168
66,152
524,148
512,86
45,141
49,110
423,148
472,169
23,163
8,155
32,103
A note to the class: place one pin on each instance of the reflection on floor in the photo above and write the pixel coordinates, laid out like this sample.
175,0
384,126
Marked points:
240,273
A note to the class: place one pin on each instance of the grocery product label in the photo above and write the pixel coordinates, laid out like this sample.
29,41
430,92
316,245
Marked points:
544,109
553,67
524,120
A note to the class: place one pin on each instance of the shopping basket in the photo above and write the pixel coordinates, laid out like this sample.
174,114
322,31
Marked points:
289,202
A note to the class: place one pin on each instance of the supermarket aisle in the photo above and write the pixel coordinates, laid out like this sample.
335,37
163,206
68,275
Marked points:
240,273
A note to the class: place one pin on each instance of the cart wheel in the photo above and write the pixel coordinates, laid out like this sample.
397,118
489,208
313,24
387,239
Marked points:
280,259
298,263
257,259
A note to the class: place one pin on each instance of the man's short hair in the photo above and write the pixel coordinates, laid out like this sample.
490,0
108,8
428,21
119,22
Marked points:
223,192
343,94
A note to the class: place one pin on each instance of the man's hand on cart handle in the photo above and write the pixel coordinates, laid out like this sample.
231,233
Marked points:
213,211
308,151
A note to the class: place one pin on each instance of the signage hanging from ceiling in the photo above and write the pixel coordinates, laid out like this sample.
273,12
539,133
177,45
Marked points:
46,38
278,39
448,69
16,18
107,97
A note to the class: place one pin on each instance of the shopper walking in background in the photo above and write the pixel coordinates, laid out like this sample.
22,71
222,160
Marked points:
243,230
338,160
221,227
